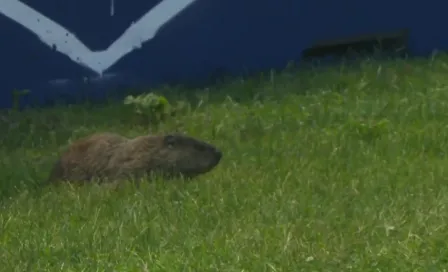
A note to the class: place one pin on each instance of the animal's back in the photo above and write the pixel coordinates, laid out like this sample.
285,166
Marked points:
86,158
170,154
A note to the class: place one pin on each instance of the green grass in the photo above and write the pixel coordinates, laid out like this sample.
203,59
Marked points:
332,169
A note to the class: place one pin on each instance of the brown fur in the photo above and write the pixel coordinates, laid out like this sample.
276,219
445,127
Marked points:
111,157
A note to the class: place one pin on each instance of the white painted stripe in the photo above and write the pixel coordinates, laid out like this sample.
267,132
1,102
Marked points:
53,34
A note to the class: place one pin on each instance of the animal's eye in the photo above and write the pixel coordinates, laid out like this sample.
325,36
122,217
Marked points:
169,141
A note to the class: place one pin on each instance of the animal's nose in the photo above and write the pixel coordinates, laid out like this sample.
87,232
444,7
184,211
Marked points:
218,153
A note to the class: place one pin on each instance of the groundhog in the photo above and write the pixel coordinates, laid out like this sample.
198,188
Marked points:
111,157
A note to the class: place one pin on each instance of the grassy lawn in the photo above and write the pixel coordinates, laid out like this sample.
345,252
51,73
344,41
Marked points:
335,169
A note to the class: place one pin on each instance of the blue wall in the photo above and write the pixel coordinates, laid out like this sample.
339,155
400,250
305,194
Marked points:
192,39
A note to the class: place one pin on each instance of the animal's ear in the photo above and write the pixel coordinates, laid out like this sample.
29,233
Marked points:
169,140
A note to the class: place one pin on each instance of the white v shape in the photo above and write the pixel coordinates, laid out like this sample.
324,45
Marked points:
53,34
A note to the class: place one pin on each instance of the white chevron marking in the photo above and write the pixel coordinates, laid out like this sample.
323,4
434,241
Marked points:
53,34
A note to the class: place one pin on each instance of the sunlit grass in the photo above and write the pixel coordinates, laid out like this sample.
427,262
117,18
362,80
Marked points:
334,169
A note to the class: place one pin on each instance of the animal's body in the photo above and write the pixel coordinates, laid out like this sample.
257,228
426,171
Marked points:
112,157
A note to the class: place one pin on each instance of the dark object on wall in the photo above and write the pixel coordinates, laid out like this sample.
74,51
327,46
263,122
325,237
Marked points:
394,43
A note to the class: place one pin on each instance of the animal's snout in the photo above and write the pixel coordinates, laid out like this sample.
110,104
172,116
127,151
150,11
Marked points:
218,154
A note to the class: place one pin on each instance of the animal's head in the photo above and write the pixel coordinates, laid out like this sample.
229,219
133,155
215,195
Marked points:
179,154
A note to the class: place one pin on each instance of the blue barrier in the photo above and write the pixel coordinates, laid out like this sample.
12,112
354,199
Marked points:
72,50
